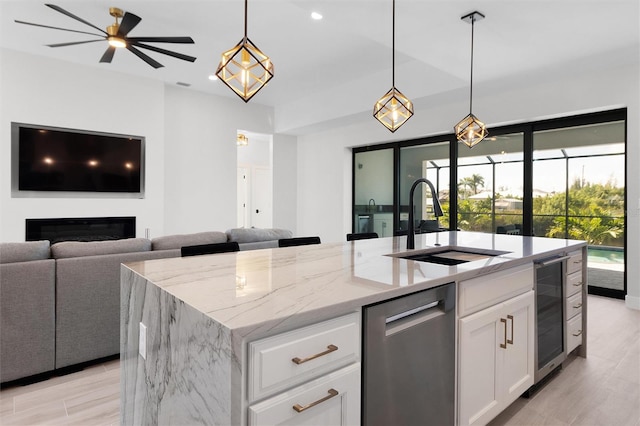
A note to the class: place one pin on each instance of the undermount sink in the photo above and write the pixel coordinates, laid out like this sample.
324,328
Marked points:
450,255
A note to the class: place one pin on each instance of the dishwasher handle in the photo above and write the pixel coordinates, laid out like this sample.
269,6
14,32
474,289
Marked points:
551,261
413,317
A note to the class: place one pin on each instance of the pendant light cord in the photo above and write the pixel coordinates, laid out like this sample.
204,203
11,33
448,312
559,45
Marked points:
473,20
246,4
393,45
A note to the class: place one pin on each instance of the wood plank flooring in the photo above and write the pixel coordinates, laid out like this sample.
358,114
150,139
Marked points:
603,389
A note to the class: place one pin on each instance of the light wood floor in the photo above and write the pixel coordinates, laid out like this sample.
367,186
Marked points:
603,389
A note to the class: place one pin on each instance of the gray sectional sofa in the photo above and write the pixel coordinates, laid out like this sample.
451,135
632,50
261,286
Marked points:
60,304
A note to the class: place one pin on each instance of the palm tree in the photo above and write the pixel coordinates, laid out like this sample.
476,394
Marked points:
475,182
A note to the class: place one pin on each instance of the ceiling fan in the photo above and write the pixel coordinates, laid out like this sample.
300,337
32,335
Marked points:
116,36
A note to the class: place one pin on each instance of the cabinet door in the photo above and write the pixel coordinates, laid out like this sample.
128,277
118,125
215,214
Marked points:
515,363
333,399
480,338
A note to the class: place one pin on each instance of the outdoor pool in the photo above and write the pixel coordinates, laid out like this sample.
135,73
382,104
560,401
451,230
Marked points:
609,255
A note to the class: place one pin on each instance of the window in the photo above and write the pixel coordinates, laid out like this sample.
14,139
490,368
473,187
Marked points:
430,161
558,178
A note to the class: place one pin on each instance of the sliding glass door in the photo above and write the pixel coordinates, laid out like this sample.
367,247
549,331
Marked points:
430,161
373,192
579,184
491,184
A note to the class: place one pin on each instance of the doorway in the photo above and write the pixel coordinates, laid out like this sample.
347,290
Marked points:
254,180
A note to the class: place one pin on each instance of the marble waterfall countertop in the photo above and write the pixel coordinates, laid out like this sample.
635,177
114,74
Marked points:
259,292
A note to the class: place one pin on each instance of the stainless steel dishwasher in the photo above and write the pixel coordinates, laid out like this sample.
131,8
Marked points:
409,359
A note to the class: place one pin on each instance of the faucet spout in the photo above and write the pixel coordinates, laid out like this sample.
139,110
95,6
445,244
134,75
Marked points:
437,209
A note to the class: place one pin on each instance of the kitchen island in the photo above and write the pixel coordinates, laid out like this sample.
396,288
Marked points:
200,336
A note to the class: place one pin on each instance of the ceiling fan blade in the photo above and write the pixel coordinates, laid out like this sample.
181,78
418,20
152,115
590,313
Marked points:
108,54
144,57
57,28
73,43
71,15
163,39
164,51
129,21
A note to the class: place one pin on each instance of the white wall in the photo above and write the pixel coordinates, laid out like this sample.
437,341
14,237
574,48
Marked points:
200,178
49,92
324,158
190,145
285,185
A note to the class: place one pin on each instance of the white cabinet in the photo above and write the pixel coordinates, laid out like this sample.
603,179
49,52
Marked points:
496,348
310,375
333,399
575,293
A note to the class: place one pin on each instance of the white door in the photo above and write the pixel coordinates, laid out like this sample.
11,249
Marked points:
242,197
261,198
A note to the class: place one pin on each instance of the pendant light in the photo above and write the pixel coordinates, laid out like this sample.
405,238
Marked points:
470,130
393,109
245,69
242,140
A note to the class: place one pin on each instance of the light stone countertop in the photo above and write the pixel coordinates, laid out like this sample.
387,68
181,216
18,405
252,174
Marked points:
258,292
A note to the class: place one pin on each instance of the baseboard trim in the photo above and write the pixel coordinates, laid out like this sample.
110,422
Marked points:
632,302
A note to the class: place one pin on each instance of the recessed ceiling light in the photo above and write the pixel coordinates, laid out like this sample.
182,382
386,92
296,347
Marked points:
316,16
213,77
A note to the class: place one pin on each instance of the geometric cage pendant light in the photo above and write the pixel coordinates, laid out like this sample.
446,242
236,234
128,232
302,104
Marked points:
393,109
245,69
470,130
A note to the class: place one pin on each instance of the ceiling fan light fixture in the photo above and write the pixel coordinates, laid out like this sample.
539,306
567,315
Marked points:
116,42
244,68
393,109
112,30
470,130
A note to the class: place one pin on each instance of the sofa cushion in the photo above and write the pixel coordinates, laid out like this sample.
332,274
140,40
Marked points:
180,240
257,245
252,235
24,252
93,248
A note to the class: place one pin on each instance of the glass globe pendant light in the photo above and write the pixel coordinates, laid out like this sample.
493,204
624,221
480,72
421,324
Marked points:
245,69
470,130
393,109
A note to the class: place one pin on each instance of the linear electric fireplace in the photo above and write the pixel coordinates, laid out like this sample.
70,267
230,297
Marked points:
81,229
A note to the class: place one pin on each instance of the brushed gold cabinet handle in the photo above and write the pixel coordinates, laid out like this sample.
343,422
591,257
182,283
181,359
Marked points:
577,334
299,408
330,348
504,345
511,318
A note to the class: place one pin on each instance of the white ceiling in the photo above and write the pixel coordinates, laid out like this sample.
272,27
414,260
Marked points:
345,59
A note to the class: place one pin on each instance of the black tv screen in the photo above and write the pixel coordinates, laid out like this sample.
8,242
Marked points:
54,159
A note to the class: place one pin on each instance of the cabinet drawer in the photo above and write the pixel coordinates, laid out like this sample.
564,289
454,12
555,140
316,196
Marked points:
574,332
574,284
481,292
574,305
333,399
288,359
574,263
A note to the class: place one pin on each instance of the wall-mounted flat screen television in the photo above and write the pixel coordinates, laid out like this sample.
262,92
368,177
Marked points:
53,161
